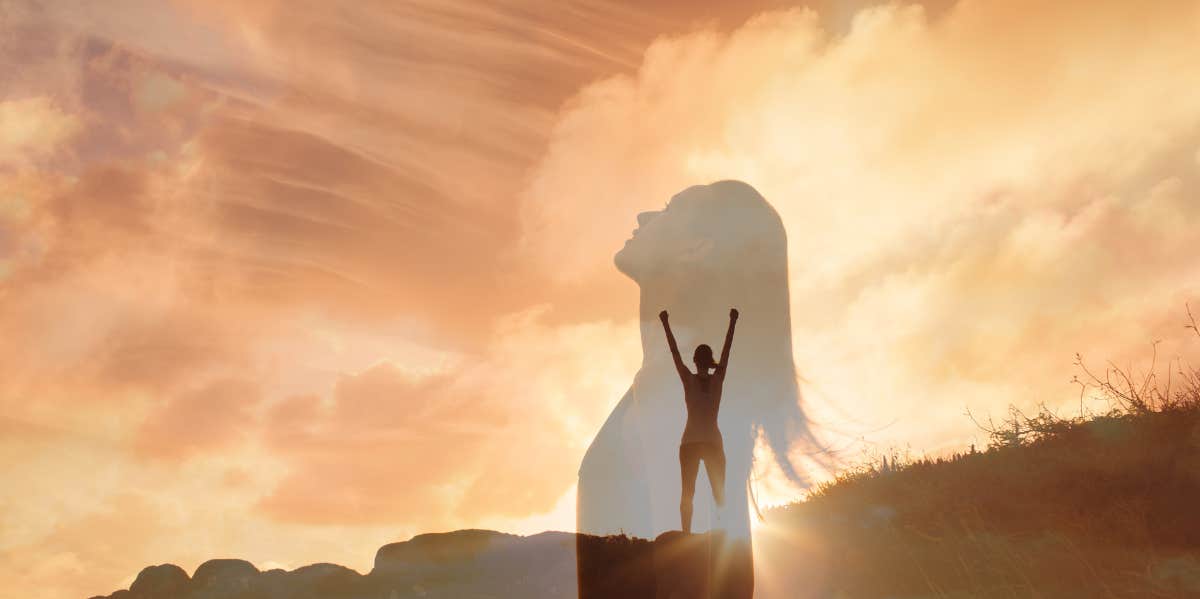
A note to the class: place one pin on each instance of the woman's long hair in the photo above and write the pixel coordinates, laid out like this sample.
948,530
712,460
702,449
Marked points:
748,269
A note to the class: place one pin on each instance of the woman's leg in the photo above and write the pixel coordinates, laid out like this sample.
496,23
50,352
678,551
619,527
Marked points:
714,465
689,465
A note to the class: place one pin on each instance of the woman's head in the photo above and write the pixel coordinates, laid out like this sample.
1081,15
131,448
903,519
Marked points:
716,230
703,357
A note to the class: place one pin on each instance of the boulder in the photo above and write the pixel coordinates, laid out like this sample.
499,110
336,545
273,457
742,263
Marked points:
437,549
164,580
325,580
225,575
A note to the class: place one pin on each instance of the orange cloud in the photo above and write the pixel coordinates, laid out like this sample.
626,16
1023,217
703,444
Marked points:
964,213
494,437
207,418
86,552
33,129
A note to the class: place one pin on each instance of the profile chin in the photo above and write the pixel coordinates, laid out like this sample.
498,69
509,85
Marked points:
624,262
620,260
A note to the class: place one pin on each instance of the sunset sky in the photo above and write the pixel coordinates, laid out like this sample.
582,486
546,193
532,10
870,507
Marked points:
287,281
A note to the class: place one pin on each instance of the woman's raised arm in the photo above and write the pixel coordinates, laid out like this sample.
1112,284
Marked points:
679,367
733,316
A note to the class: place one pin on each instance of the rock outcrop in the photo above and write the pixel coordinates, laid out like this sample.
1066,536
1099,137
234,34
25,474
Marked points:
482,563
165,579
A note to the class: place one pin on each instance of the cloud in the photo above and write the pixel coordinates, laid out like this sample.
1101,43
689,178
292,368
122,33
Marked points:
33,129
85,551
964,213
901,112
213,416
496,435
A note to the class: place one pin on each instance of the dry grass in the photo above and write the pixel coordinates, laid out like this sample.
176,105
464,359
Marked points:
1094,505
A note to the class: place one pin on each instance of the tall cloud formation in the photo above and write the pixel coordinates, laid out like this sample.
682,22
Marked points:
289,283
970,200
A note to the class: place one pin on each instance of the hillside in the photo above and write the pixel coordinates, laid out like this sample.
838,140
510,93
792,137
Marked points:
1104,507
460,564
455,564
1100,506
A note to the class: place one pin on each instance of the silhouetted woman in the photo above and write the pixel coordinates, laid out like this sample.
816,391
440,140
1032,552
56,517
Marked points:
713,246
701,435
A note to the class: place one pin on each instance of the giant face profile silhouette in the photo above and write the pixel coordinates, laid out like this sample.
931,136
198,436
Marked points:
711,248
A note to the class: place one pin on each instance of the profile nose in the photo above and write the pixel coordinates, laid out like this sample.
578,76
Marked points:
645,217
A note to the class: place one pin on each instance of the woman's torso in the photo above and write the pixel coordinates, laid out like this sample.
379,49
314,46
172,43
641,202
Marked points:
703,399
